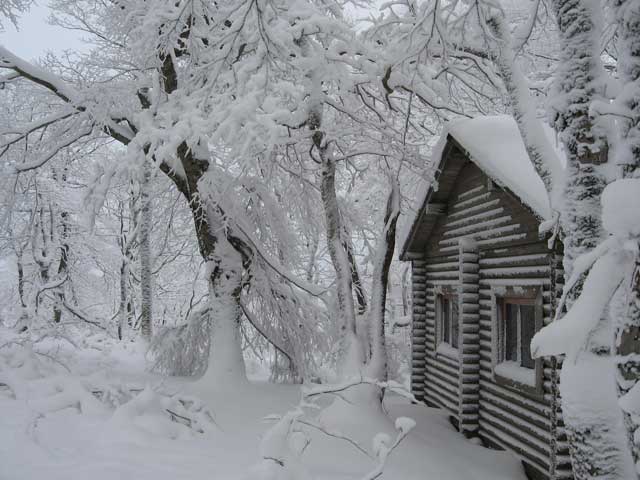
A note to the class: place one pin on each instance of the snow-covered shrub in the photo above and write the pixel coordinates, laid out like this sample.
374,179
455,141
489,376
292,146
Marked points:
183,350
284,443
399,353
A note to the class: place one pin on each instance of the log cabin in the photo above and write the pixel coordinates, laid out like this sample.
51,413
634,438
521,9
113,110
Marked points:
484,280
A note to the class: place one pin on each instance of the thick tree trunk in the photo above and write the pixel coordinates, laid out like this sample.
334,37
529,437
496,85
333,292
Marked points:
227,258
225,267
351,349
226,363
593,422
597,449
626,320
627,156
377,365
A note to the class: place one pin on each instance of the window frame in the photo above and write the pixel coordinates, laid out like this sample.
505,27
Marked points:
503,303
518,295
444,347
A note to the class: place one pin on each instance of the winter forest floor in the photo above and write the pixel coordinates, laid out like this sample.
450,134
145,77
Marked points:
90,411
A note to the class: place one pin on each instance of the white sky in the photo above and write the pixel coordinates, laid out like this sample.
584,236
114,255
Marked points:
36,36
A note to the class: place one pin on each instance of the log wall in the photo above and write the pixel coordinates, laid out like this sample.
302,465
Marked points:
509,253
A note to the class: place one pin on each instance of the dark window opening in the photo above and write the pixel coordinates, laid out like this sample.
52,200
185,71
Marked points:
518,329
448,319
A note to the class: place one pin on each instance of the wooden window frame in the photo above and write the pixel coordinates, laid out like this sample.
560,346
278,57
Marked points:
444,347
503,303
526,295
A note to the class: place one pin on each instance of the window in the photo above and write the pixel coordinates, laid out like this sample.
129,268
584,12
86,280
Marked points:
518,315
519,326
447,315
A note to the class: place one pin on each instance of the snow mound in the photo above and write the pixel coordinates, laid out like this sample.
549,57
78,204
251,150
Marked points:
174,428
620,212
405,424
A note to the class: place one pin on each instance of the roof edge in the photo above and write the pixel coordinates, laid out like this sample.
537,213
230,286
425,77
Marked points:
439,150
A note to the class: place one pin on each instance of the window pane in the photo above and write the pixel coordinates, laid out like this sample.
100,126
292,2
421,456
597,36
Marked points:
445,319
511,332
454,322
528,329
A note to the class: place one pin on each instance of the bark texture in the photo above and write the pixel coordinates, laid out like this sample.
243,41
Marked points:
144,245
627,321
597,449
63,266
377,367
351,351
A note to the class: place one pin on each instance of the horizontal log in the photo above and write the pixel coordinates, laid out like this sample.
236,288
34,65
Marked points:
493,436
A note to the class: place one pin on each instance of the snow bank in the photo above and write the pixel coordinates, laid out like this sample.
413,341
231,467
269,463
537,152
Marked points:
155,433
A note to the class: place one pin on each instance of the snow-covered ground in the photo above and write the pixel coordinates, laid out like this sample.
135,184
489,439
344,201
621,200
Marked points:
90,411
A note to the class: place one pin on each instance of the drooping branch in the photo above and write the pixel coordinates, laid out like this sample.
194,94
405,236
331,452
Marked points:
254,323
54,150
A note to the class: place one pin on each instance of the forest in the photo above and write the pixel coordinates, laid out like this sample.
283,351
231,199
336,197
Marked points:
202,209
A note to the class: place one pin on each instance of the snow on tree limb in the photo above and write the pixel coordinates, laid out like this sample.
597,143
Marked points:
541,153
606,267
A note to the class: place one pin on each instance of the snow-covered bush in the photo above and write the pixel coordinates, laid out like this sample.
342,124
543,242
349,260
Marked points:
183,350
284,443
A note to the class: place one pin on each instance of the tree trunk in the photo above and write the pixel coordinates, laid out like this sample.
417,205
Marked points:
227,257
21,280
627,156
123,308
144,246
355,277
63,267
626,320
351,350
225,269
377,365
40,251
597,449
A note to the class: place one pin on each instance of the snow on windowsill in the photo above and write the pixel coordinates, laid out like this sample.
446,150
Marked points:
513,371
448,351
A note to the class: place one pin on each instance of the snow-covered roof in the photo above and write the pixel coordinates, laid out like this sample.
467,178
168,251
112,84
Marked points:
495,145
